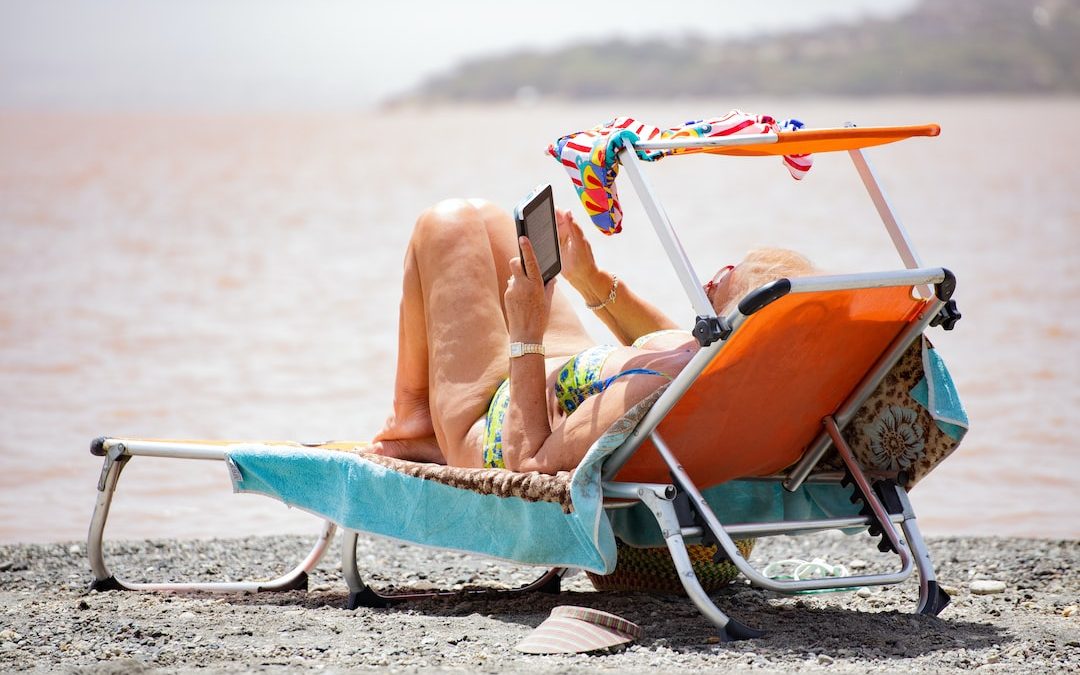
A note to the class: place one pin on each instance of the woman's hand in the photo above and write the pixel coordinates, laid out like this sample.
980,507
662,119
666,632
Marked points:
527,298
578,264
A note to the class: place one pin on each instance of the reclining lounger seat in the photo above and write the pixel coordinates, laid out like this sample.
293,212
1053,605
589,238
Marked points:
774,387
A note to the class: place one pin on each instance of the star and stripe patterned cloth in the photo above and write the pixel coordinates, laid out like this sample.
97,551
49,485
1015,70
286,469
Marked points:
591,157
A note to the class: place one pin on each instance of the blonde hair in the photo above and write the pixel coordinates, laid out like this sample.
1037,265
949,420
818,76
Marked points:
758,268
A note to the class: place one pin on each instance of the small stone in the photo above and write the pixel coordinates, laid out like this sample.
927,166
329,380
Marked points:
986,586
863,592
74,549
712,640
824,659
857,564
83,604
1070,610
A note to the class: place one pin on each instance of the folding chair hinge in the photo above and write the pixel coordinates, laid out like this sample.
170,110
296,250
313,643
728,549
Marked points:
114,455
709,329
891,496
948,316
689,516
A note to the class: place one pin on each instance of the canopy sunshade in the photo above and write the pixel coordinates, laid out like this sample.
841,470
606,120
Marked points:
592,157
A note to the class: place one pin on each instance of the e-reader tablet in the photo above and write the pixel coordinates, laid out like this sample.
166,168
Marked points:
535,217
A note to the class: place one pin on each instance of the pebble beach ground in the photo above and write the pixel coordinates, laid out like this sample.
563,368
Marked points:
1029,622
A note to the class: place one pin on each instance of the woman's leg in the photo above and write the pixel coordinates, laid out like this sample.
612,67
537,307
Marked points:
452,331
411,417
452,337
565,335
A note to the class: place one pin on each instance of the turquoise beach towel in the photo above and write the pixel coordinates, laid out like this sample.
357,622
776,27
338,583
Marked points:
359,494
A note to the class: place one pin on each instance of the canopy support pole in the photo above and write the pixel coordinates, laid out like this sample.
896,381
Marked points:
897,233
670,241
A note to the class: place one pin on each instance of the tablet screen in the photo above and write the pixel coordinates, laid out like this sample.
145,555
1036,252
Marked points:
538,214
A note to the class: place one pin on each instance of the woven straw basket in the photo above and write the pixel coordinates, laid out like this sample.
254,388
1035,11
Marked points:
651,569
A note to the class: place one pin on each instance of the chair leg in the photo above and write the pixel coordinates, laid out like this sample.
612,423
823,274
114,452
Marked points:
362,595
712,525
663,509
932,598
105,580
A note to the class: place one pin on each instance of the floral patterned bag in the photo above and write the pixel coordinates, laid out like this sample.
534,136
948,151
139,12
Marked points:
911,422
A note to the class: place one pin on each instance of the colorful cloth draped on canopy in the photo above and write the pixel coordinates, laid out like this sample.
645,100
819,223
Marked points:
592,157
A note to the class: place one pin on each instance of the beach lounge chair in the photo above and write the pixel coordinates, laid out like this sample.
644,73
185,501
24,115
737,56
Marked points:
827,401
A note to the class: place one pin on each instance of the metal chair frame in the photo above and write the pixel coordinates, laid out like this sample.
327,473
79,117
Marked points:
890,509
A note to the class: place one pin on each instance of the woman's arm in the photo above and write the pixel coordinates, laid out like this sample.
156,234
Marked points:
574,434
626,314
528,303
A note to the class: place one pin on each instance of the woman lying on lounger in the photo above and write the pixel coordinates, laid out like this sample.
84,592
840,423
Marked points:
460,399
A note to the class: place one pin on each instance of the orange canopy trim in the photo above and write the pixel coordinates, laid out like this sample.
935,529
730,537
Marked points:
806,141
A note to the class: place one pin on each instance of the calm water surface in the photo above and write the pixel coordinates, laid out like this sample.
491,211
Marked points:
237,277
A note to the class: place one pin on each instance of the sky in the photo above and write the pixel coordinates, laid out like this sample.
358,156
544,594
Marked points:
322,54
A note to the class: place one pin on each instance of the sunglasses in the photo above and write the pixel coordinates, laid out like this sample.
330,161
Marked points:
715,281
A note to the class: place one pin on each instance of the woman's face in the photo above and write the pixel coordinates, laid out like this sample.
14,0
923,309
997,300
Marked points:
718,290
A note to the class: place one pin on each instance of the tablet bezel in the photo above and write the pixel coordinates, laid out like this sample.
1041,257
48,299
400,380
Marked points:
526,208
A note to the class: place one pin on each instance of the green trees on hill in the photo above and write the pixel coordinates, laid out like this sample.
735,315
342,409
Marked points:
941,46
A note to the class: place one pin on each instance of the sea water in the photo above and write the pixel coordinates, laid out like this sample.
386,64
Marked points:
237,276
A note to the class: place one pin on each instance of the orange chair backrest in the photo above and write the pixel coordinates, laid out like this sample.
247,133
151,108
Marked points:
760,403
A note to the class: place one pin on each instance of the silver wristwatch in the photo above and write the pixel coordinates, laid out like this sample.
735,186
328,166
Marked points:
522,348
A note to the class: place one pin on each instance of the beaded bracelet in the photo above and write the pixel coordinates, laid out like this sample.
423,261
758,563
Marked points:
611,296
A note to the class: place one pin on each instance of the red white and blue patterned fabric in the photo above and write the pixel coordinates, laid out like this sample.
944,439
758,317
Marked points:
591,157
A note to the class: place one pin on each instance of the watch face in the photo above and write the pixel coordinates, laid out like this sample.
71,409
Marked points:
521,349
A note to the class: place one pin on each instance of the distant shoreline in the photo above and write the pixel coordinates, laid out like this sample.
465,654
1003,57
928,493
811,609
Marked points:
941,47
726,102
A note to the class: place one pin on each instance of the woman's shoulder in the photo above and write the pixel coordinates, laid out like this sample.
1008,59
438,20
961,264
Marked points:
666,359
664,340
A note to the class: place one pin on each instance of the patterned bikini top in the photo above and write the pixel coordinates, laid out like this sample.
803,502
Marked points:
581,378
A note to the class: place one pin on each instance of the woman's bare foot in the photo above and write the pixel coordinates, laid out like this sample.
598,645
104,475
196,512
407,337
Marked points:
410,420
414,450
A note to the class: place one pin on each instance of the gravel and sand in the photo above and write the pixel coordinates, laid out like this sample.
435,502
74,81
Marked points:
1028,622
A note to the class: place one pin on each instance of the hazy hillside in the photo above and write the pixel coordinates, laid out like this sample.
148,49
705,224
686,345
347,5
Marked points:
941,46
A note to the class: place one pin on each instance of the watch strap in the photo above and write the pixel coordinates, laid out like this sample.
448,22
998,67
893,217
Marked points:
522,348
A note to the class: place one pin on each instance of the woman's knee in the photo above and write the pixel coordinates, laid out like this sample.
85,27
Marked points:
494,216
458,225
447,220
